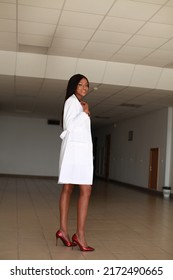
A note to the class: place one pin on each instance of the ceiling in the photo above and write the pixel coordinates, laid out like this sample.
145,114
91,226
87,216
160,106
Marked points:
138,32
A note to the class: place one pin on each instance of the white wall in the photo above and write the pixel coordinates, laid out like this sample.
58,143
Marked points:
28,146
129,160
31,147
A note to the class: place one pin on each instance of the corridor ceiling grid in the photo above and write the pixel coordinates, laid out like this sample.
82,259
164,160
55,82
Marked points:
138,32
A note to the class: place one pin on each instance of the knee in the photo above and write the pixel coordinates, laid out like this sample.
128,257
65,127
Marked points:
86,192
67,189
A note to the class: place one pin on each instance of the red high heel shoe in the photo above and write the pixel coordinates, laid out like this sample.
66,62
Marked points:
66,242
82,248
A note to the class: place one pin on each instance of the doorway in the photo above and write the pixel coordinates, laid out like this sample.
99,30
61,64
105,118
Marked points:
153,168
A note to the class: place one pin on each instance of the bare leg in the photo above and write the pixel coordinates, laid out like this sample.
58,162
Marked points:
64,207
82,210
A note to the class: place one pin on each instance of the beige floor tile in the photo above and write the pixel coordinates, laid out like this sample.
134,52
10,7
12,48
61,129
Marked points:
123,223
154,252
64,255
34,251
130,256
9,255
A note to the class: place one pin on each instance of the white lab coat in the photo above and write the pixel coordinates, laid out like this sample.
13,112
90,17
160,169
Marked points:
76,155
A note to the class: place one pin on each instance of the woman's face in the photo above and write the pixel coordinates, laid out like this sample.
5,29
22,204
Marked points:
82,88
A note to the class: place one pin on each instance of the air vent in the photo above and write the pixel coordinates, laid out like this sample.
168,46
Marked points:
53,122
130,105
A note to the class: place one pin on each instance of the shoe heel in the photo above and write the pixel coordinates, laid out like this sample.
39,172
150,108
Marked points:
66,242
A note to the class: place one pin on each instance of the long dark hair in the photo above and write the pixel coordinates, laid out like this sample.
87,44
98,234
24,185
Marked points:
71,88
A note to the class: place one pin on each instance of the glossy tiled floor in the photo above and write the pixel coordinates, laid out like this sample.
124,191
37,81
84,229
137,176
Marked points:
122,223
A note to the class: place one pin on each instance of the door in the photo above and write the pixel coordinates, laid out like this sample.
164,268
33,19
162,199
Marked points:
153,168
107,156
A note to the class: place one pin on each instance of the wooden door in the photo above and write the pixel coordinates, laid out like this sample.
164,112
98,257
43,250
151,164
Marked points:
153,168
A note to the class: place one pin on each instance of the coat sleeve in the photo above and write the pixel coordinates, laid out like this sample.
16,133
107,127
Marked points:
72,118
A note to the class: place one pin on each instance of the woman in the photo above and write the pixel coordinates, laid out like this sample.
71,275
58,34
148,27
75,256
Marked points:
76,160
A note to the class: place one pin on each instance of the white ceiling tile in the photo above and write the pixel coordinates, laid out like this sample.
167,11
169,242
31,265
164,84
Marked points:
130,9
54,86
31,65
165,15
121,25
6,85
69,32
150,61
5,99
36,28
63,43
116,99
36,14
60,67
157,30
134,91
158,2
102,47
118,73
169,65
89,6
93,71
64,52
53,4
7,25
7,11
125,58
166,80
8,1
80,19
145,76
160,92
108,90
143,99
167,46
110,37
7,104
32,49
146,41
29,87
170,3
24,104
96,55
7,37
134,51
34,40
32,83
8,46
162,54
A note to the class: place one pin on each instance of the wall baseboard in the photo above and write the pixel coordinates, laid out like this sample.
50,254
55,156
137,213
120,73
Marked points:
28,176
138,188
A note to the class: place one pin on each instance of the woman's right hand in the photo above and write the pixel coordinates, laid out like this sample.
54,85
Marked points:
85,107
